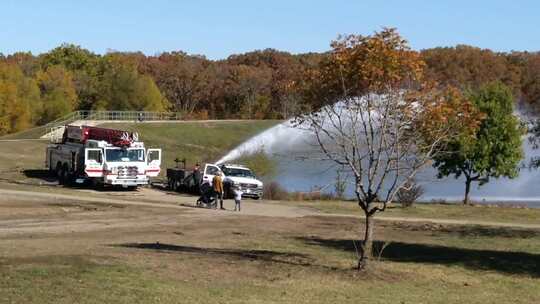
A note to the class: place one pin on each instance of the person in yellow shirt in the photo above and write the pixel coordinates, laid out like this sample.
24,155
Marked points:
217,183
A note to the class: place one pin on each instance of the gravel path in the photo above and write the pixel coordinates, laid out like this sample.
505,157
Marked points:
150,198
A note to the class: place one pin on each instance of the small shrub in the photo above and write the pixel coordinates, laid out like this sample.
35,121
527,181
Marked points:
274,191
409,194
440,201
329,197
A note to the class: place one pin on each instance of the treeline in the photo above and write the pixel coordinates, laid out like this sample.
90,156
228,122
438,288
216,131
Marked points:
258,85
470,68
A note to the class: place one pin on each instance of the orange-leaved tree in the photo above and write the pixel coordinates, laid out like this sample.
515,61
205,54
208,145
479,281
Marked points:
371,111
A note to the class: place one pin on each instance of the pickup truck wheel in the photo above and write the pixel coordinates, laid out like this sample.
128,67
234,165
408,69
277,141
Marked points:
226,192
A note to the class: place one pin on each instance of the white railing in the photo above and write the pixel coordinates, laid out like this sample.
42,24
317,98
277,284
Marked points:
54,126
128,115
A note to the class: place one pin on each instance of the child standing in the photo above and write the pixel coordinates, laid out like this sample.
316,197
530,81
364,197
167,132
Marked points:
237,198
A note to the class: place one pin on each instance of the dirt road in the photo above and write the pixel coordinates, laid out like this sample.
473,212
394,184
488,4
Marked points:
26,212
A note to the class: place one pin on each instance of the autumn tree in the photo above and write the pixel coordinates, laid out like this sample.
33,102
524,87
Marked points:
494,150
284,70
466,67
370,111
530,82
83,66
58,93
19,99
180,77
28,63
216,92
248,87
123,88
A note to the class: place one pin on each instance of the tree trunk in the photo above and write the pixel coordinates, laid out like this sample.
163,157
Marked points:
467,190
367,244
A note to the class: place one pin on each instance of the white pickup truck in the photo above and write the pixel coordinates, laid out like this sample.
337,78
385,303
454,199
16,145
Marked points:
237,176
103,157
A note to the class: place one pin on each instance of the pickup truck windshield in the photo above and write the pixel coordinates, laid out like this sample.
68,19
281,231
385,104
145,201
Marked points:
124,155
238,172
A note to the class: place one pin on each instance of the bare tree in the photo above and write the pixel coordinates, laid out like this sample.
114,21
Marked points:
377,119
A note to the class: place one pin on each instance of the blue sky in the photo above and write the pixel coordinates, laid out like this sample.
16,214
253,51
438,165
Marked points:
220,28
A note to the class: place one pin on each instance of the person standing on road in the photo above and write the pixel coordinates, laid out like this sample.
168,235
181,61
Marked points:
237,198
217,183
196,175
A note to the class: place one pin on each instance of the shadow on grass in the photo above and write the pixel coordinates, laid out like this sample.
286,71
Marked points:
195,206
469,230
253,255
504,232
41,174
519,263
50,180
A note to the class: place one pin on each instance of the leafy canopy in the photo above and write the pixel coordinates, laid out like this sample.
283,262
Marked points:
495,150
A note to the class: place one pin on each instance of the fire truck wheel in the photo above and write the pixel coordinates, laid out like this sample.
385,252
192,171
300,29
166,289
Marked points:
62,176
59,173
68,177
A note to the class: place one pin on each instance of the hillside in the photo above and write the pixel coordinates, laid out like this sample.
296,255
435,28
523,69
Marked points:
194,140
33,133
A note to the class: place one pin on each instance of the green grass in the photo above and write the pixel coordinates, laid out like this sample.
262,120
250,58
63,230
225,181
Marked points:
477,212
17,156
195,141
78,280
33,133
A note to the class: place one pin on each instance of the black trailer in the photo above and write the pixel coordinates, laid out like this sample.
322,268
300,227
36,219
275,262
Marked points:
182,180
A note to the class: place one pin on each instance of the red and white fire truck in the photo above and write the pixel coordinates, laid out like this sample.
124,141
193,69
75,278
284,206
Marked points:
103,157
